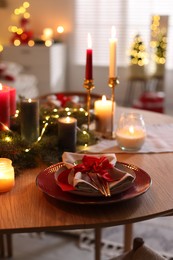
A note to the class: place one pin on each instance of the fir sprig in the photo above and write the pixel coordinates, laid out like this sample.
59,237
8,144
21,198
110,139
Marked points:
46,148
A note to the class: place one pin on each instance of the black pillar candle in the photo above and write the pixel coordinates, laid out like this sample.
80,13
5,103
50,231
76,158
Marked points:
29,112
67,134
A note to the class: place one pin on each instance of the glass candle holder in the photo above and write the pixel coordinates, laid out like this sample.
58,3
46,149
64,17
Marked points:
6,175
131,131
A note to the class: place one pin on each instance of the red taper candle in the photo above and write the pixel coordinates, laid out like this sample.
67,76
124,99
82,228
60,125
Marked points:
89,69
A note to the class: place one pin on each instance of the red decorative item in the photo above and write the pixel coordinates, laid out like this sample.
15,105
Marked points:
152,101
63,99
24,22
26,35
89,164
88,72
89,53
4,107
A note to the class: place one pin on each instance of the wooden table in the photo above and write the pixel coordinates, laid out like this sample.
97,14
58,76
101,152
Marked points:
26,209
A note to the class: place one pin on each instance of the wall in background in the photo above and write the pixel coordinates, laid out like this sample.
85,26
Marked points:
52,13
44,13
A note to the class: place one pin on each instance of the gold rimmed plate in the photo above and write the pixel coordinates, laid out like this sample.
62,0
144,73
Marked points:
84,189
47,184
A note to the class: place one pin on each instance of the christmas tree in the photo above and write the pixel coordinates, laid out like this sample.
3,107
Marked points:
21,33
138,54
159,40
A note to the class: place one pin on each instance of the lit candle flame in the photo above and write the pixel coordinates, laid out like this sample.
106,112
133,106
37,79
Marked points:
0,86
131,130
113,32
103,98
68,119
89,41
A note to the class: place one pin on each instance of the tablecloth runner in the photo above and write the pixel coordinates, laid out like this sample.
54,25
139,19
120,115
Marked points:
159,139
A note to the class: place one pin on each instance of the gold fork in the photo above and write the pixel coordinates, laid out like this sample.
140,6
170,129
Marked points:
97,183
104,184
53,168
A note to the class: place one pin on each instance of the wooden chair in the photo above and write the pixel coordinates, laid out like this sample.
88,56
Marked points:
128,238
6,245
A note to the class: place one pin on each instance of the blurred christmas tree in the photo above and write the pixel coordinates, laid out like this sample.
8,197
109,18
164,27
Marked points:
138,54
159,41
21,33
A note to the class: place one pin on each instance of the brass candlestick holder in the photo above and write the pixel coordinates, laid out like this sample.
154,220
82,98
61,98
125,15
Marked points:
89,85
113,82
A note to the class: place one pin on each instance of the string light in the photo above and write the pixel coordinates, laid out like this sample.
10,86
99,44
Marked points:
20,33
23,154
159,42
60,29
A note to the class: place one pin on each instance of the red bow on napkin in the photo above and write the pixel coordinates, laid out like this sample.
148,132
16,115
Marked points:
89,164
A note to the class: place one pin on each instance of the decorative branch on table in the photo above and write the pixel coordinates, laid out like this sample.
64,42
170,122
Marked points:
45,149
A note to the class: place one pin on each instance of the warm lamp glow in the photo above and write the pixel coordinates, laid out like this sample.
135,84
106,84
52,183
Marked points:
48,33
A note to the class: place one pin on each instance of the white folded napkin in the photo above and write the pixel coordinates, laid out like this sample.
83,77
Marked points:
92,183
70,158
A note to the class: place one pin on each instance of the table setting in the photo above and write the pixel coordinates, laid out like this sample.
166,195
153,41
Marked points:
71,170
61,127
92,179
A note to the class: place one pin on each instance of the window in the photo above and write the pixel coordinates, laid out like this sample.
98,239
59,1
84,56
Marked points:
128,16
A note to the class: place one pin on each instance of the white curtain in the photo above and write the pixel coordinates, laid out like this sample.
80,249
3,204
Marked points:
129,18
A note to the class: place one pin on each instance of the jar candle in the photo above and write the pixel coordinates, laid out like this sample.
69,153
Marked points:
29,109
131,131
103,113
6,175
67,134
